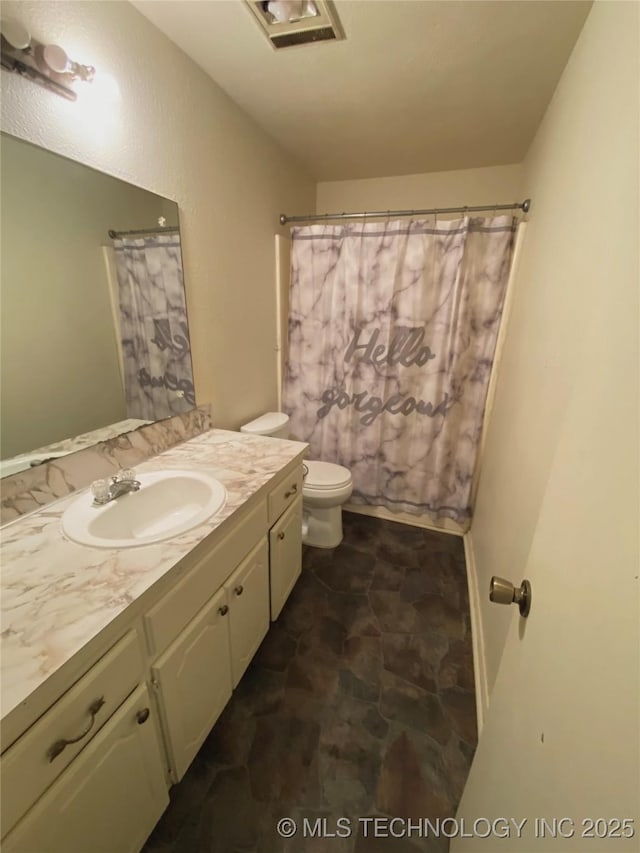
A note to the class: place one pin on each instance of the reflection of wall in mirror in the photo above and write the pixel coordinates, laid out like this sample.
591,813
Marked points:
59,360
166,125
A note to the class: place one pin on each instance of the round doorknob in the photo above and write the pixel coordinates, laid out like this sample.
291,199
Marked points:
142,716
502,591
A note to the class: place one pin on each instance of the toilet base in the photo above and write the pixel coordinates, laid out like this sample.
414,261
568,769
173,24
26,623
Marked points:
322,528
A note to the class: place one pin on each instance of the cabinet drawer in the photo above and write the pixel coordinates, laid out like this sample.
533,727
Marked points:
28,768
164,622
284,494
109,799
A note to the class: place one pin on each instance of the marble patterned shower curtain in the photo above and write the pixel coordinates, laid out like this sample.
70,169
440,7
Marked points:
154,333
392,332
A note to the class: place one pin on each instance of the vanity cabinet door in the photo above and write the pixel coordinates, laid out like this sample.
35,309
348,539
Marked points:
109,798
248,598
193,682
285,555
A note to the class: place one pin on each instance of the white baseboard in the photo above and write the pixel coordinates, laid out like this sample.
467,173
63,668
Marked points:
477,634
447,525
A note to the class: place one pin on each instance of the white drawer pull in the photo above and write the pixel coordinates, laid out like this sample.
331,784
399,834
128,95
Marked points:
291,491
55,750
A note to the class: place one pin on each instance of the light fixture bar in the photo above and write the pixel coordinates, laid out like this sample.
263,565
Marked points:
47,65
10,63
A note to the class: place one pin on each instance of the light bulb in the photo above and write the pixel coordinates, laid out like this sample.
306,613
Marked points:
279,11
56,58
287,11
15,33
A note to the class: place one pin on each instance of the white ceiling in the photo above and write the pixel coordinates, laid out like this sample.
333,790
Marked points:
417,86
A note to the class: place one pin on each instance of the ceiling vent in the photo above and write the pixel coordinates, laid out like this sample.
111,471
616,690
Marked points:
288,23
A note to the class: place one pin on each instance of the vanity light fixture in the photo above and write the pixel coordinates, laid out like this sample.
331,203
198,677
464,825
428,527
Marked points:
288,23
46,64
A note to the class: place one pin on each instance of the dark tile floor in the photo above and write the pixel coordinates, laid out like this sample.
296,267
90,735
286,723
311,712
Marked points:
359,702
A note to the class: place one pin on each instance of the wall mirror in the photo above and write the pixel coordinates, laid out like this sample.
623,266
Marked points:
94,334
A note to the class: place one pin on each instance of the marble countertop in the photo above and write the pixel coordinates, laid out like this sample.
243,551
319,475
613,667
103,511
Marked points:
57,596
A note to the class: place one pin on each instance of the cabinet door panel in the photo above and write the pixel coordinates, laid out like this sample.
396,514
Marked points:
193,680
285,555
248,597
109,798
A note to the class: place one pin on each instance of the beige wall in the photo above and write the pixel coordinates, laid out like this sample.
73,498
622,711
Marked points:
490,185
59,354
156,120
575,298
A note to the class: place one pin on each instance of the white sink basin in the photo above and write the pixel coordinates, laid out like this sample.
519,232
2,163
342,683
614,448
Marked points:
167,504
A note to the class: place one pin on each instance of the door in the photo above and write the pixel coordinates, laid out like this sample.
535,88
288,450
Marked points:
193,682
561,737
109,798
285,555
248,596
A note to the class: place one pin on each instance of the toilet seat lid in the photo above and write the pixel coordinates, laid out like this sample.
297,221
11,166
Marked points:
326,475
266,424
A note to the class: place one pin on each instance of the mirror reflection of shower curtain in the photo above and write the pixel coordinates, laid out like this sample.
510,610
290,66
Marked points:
392,333
156,352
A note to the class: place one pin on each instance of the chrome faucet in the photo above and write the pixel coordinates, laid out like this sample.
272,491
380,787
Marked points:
121,483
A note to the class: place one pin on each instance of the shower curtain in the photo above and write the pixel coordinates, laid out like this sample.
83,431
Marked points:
154,333
392,332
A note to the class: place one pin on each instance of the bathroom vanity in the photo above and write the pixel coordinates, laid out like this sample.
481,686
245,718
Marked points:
116,664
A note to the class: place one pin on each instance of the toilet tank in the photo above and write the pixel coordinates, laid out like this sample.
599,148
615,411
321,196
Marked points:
275,424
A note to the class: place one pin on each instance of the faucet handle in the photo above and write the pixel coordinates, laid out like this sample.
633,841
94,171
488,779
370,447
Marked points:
100,491
124,475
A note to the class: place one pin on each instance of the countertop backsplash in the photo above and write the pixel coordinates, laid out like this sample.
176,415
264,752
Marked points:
36,487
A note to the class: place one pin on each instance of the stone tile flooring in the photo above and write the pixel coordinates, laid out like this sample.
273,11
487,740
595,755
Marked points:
359,702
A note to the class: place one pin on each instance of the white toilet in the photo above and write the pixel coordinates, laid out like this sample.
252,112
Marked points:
326,487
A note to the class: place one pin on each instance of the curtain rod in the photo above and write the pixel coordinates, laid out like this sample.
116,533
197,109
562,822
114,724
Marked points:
525,206
158,230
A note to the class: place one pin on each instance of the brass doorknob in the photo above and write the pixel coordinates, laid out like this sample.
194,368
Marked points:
502,591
